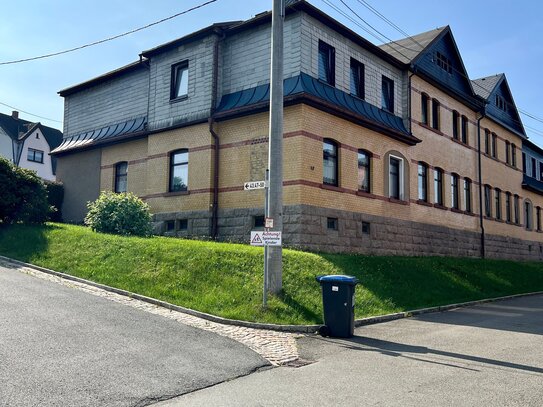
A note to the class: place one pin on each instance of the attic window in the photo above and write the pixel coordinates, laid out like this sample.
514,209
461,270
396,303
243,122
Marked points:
37,135
500,102
443,62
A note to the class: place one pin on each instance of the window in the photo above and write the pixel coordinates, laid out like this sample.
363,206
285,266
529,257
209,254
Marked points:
488,207
438,186
516,209
183,224
357,78
464,129
329,162
508,206
387,94
455,118
424,108
180,80
258,221
498,203
524,163
435,114
534,167
37,135
507,152
366,228
364,170
170,225
494,145
455,192
332,223
443,62
467,194
35,155
487,141
541,171
513,155
501,103
179,170
423,182
528,215
327,63
395,178
538,218
121,175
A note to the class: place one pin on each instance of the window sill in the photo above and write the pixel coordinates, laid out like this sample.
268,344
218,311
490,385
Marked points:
366,194
488,217
332,187
457,141
455,210
439,206
424,203
177,193
179,99
469,213
499,220
398,201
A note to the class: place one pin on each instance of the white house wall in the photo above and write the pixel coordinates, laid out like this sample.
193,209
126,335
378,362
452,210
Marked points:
38,142
6,149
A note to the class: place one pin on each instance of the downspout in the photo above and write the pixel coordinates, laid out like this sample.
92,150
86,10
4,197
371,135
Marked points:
216,141
409,98
481,218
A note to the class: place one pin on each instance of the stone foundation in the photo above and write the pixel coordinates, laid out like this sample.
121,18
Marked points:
307,227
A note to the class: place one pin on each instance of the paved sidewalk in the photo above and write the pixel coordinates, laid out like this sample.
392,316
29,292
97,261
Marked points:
278,348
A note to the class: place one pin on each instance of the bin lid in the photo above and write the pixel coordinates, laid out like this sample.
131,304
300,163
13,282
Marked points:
338,278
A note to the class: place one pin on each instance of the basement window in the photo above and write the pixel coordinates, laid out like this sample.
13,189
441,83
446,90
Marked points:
332,223
258,221
183,224
170,225
366,228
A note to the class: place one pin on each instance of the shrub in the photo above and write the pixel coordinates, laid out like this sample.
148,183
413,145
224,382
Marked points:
55,197
121,214
23,195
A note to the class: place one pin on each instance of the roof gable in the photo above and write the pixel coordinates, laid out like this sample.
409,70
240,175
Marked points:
500,104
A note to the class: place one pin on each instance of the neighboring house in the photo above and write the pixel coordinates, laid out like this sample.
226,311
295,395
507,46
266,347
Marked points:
28,144
381,144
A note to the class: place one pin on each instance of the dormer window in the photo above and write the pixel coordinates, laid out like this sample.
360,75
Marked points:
179,87
443,62
500,103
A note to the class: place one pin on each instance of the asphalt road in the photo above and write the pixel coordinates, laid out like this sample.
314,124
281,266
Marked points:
63,347
487,355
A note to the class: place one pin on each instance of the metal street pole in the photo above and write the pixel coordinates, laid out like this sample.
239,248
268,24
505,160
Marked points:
266,273
275,156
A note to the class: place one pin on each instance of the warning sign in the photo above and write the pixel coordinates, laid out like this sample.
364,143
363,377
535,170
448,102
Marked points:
263,238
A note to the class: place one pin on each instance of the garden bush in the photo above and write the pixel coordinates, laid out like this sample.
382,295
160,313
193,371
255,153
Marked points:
120,214
23,197
55,197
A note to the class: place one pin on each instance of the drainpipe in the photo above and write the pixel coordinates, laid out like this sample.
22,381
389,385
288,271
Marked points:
413,68
481,218
216,142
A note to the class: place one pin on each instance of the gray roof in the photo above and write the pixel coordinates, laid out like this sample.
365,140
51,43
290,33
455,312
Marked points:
483,87
407,49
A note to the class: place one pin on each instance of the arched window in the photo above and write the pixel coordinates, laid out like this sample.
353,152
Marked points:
121,175
438,186
424,98
329,162
435,114
364,170
455,192
467,194
528,215
179,170
423,181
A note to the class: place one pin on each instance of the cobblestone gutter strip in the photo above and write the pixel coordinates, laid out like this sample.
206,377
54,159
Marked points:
278,347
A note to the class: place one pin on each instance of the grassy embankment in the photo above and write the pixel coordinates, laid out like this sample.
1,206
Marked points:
226,279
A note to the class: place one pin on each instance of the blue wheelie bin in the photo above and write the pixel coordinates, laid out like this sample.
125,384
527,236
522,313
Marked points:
338,305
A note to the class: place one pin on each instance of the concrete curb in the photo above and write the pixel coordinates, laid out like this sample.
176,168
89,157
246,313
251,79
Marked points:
256,325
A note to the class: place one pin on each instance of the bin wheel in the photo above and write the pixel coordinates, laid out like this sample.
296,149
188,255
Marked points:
324,331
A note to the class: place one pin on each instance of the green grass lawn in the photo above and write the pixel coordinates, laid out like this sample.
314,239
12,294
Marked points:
226,279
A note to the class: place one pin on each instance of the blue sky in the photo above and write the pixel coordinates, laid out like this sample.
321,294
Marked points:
492,36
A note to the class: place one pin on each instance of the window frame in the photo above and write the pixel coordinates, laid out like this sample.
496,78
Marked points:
119,175
487,200
464,129
436,114
507,152
513,155
438,186
183,65
533,165
443,62
329,75
538,218
401,191
487,141
467,195
455,191
173,165
387,99
424,111
356,73
422,190
498,203
455,127
528,214
516,209
367,167
494,146
335,145
35,152
508,207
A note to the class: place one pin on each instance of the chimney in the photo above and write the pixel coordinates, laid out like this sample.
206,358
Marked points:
15,114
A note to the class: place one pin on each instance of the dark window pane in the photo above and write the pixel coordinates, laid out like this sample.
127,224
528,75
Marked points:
424,108
435,114
454,191
329,163
326,63
121,174
423,182
467,195
332,223
456,117
363,171
387,94
366,228
438,186
183,224
357,78
394,178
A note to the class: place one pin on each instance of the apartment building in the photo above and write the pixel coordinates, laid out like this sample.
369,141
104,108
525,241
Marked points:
387,150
